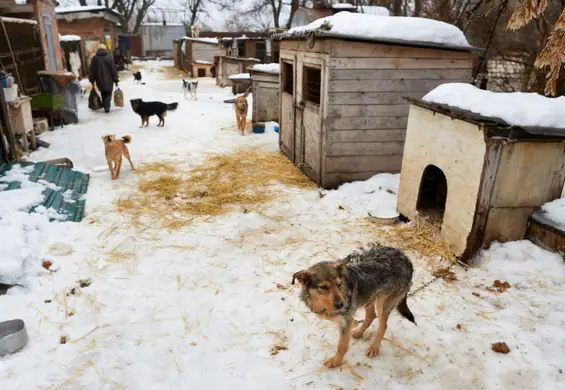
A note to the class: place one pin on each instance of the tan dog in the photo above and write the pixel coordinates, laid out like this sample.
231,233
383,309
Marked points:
114,150
241,107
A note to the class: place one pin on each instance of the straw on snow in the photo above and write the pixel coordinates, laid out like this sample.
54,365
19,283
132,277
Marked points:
246,179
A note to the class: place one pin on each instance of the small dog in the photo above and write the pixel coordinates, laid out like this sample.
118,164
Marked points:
148,109
114,151
379,277
137,77
191,87
241,107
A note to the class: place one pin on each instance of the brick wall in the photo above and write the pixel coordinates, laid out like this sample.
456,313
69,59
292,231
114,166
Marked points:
88,30
48,7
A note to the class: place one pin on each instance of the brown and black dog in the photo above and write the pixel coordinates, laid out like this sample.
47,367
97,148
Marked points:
377,279
241,108
115,148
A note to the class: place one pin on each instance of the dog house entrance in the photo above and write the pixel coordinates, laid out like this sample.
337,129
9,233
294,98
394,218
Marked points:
433,193
201,72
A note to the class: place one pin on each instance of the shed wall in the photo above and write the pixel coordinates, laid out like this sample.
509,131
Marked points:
265,97
367,114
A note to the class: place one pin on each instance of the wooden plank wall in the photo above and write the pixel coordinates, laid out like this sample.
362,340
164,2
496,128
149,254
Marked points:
367,114
265,97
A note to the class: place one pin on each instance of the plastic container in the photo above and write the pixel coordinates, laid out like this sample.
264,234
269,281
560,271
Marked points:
10,93
276,128
13,336
40,125
258,128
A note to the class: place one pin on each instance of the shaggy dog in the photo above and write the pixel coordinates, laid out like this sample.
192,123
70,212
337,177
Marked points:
377,279
241,107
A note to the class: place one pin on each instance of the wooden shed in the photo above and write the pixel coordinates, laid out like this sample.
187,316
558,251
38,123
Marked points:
265,82
229,66
477,176
343,117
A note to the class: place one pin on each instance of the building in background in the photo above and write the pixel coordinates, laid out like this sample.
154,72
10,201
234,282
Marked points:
94,24
157,38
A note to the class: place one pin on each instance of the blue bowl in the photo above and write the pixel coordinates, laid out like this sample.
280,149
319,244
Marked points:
276,128
258,129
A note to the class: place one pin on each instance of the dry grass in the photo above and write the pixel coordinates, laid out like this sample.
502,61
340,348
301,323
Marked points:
423,236
245,179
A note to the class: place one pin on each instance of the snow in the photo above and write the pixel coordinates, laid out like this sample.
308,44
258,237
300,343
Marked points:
78,8
516,108
343,6
267,68
200,308
409,29
201,62
21,234
67,38
203,40
240,76
555,211
374,10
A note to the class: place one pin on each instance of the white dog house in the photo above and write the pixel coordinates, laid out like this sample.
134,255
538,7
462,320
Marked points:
479,175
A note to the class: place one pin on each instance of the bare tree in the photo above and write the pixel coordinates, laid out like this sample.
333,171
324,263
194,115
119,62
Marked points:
132,13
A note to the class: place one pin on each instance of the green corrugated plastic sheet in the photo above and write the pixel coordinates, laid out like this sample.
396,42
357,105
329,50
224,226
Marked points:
65,179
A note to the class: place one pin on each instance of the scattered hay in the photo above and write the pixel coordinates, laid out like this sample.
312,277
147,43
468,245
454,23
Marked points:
156,167
275,349
423,236
244,179
500,348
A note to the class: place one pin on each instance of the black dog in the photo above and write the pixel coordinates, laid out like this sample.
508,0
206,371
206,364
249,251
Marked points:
137,76
147,109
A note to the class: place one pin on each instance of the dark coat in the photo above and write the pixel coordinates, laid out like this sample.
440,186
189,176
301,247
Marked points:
103,71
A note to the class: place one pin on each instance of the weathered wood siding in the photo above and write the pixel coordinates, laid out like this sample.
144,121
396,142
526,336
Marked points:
364,113
456,147
228,66
265,96
204,51
367,112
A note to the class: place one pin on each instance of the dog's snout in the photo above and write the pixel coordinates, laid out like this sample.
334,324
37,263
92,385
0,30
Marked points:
338,305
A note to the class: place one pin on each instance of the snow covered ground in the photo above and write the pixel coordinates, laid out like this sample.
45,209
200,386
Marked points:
203,307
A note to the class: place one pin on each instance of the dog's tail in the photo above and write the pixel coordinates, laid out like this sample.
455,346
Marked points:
172,106
126,139
405,311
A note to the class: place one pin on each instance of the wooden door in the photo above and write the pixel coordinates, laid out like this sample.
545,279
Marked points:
287,109
309,132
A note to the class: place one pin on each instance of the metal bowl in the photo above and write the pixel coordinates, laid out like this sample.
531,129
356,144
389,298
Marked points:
13,336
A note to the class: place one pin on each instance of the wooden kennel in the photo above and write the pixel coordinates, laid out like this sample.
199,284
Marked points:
342,113
265,95
480,177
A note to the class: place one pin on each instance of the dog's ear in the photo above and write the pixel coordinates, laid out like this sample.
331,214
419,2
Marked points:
302,276
340,267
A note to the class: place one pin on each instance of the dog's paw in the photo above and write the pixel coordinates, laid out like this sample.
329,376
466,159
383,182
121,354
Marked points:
333,362
358,333
372,351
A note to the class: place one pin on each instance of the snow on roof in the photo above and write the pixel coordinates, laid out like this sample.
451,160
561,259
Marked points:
267,68
374,10
68,38
555,211
201,62
202,40
517,108
375,27
78,8
343,6
240,76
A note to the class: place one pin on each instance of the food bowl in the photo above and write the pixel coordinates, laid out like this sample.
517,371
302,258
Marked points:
384,219
258,128
13,336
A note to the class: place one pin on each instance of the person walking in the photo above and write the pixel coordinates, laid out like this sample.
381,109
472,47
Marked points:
103,73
